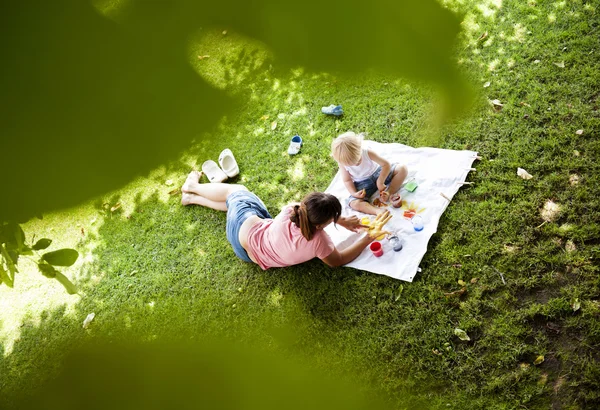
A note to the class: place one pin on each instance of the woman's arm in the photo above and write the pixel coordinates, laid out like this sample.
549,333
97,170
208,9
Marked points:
339,258
385,169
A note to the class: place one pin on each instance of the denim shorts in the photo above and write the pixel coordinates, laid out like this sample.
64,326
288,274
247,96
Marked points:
369,184
240,206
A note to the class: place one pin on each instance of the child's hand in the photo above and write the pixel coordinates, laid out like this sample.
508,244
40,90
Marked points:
376,228
360,194
384,196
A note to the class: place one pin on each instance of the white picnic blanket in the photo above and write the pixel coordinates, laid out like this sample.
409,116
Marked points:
438,173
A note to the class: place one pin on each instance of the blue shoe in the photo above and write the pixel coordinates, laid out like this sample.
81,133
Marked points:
333,110
295,145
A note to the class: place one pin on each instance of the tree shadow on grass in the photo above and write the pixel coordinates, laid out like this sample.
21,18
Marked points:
167,272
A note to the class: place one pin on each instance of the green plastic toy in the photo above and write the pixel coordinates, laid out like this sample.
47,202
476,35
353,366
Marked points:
411,186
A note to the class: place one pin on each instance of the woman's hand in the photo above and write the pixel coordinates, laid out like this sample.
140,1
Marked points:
351,223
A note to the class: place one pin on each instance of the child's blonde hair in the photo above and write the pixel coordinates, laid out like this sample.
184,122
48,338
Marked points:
347,148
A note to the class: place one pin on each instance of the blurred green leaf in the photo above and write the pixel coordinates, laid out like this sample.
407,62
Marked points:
5,277
69,286
12,268
14,256
47,270
61,257
65,65
42,244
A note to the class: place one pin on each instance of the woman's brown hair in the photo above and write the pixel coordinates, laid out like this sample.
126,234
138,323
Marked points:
315,209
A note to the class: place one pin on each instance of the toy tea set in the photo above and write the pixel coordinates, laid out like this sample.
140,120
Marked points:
375,226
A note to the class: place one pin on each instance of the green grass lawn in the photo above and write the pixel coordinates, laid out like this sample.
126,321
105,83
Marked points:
154,270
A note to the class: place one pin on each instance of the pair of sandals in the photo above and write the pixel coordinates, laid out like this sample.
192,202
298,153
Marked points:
227,168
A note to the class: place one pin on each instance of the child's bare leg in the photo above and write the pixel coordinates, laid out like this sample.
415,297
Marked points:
400,174
365,207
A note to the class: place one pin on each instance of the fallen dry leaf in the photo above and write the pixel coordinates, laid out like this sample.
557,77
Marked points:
560,64
550,211
461,282
456,292
525,104
462,335
497,103
202,57
511,248
573,179
524,174
114,208
174,191
579,132
570,246
482,36
273,125
474,280
486,85
88,320
539,360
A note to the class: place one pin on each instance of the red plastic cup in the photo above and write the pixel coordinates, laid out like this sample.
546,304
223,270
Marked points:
376,249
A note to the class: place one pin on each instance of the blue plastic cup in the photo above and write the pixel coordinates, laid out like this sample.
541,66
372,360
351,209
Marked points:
417,222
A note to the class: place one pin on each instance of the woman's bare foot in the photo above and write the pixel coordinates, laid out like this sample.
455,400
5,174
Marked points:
186,198
396,200
192,179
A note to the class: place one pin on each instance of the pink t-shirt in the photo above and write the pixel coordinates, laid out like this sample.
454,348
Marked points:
278,242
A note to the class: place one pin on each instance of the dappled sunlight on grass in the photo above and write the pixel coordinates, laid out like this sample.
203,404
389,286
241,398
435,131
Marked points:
26,305
275,297
298,172
152,267
217,56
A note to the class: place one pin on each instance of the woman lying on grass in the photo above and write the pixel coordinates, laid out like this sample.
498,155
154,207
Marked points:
295,236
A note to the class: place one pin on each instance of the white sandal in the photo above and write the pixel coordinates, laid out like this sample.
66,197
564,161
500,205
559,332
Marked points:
213,172
228,163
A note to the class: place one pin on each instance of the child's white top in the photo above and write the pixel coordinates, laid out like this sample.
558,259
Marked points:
363,170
